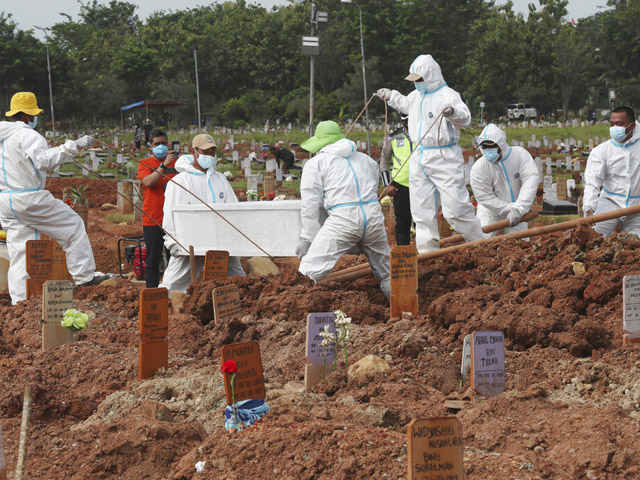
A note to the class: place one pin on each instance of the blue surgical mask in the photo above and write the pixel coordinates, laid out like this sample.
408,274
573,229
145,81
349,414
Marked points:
618,134
160,151
206,161
420,86
33,123
491,154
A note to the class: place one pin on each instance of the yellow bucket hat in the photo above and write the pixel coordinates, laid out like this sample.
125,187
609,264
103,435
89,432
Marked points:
24,102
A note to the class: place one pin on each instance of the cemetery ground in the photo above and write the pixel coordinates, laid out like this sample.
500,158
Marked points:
570,410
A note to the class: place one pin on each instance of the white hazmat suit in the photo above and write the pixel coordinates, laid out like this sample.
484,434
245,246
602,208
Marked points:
210,186
27,210
436,169
344,183
509,184
615,168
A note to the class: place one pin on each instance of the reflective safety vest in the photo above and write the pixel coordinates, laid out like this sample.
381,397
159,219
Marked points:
401,148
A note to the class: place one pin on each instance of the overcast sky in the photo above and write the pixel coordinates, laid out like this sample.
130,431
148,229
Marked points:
46,13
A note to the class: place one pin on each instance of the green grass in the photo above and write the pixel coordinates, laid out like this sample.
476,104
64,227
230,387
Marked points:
128,218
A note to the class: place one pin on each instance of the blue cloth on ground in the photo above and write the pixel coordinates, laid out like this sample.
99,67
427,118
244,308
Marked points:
249,412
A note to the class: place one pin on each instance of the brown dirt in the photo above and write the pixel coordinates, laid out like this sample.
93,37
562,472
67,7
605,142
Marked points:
570,411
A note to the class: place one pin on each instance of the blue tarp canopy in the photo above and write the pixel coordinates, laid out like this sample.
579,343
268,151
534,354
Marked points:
156,103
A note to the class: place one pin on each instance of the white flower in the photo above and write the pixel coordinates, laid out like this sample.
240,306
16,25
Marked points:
341,318
328,338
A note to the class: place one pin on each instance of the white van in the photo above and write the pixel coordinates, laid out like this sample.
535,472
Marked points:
520,111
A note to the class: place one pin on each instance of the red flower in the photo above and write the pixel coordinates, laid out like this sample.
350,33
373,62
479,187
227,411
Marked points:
229,367
67,201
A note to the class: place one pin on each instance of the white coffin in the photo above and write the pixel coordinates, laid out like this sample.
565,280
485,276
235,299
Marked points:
274,226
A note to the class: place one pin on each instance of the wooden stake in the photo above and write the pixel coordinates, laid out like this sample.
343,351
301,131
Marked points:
192,261
24,433
364,270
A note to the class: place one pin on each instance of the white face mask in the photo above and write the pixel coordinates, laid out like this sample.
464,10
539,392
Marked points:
206,161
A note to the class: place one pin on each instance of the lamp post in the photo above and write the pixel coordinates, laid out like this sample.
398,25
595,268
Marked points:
364,76
195,60
53,120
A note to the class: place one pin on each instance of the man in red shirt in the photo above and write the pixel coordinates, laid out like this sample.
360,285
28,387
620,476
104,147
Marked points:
150,173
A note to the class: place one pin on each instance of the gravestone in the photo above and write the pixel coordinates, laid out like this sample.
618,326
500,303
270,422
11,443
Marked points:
591,144
39,265
539,166
226,304
487,363
269,185
59,269
216,265
561,187
120,159
153,326
125,197
404,280
569,165
249,380
576,166
547,183
558,164
631,301
95,162
466,357
57,298
435,449
316,323
571,185
271,166
548,170
363,145
252,182
278,175
86,168
236,156
247,172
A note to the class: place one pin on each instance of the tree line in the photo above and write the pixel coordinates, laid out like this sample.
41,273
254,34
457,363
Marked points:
251,67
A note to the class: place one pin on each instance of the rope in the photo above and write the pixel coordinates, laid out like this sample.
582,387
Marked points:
358,117
194,195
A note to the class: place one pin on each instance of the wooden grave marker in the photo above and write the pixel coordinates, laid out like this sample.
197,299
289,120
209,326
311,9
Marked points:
216,265
59,261
226,303
561,185
404,280
316,323
153,326
435,449
269,185
631,301
3,465
249,382
487,363
39,255
57,298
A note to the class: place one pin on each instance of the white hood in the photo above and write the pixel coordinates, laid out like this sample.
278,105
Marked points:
495,134
9,128
341,148
429,70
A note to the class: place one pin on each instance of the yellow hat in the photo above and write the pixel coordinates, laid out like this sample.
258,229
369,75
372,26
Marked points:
24,102
203,141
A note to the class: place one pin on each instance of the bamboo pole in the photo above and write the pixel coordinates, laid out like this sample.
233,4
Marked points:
24,433
492,227
192,264
364,270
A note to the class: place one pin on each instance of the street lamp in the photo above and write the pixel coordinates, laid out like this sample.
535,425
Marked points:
53,120
364,76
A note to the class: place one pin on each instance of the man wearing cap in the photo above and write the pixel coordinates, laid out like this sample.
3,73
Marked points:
344,183
154,172
26,208
396,152
504,181
437,168
197,175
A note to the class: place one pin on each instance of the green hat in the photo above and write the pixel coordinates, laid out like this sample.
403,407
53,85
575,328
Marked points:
328,132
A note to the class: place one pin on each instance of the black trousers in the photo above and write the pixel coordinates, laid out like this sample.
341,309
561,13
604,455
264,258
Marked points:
154,241
402,209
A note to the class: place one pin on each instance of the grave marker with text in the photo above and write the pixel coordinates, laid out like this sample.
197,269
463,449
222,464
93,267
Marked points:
404,280
487,363
216,265
249,381
226,304
153,326
435,449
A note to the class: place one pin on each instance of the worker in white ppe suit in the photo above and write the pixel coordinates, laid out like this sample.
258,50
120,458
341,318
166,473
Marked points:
504,181
26,208
436,169
614,166
198,175
344,183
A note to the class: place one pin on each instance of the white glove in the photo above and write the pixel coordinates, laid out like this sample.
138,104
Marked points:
384,93
84,141
514,217
447,112
174,250
302,248
588,213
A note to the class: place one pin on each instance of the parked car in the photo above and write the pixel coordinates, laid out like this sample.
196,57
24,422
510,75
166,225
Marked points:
521,111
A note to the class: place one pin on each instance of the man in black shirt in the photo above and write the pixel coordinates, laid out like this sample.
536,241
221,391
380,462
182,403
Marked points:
284,154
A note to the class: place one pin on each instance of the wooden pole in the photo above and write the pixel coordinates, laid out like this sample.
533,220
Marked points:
192,261
24,433
493,227
364,270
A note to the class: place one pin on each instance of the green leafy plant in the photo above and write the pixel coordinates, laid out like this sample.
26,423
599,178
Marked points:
78,196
